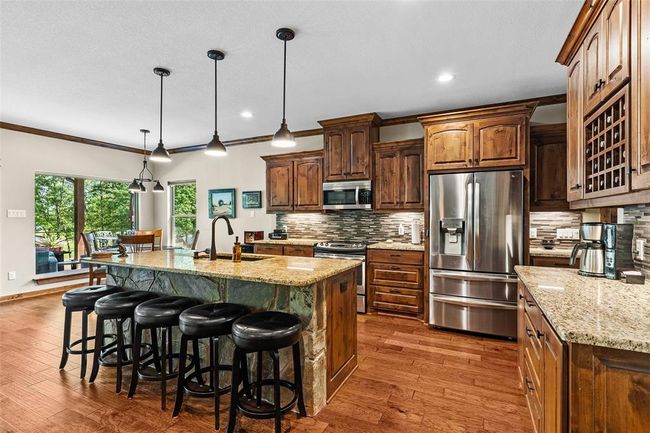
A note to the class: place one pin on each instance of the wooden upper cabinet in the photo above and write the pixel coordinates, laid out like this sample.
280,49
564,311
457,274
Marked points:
279,185
574,139
347,146
294,181
548,165
398,175
640,161
481,138
593,65
500,142
450,146
308,185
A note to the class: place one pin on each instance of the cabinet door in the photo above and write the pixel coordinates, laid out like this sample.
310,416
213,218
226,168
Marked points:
500,141
341,329
575,145
641,95
279,185
358,152
593,66
616,45
275,250
521,332
554,382
308,184
449,146
411,170
336,161
549,169
387,179
298,251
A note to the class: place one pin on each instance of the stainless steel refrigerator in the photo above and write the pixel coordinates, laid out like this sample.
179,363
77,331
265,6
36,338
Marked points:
476,239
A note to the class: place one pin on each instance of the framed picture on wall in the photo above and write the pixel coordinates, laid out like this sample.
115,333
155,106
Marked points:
251,199
221,202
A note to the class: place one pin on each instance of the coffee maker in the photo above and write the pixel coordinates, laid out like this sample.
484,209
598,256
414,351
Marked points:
592,260
617,240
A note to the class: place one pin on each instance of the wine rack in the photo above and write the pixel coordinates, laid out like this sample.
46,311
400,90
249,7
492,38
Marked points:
607,148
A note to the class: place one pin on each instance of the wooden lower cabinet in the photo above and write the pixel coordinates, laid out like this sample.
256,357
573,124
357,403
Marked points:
396,282
341,330
285,250
553,262
275,250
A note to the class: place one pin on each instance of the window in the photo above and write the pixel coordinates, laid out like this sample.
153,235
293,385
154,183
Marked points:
67,206
183,213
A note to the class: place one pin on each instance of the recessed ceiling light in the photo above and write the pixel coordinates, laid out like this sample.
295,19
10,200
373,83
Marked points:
445,77
246,114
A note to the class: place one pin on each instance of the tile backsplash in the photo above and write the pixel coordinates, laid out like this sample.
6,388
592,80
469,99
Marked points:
350,226
547,223
639,215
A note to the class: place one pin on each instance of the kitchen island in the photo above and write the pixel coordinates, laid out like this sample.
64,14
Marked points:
319,291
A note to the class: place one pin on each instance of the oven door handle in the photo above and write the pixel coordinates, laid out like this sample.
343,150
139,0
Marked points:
471,302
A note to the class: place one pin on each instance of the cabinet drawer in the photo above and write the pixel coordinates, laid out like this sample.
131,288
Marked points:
269,249
533,398
394,275
398,295
533,311
298,250
395,308
396,257
533,351
553,262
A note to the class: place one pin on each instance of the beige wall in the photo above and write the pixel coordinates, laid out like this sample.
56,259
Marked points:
22,156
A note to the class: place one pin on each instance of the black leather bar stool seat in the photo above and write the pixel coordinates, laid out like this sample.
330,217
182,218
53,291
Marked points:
158,313
118,307
83,300
205,321
266,331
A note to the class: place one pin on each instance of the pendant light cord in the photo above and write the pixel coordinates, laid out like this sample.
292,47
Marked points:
284,84
215,95
161,105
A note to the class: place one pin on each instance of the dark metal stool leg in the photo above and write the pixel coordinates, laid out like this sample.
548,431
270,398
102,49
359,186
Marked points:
297,378
214,343
163,372
170,350
181,376
84,342
66,337
99,342
154,348
244,376
197,360
136,360
234,392
119,354
258,388
276,391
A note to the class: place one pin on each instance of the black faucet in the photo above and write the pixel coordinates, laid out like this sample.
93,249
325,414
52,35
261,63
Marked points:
213,249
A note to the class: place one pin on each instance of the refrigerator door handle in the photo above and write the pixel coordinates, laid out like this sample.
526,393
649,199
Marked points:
470,243
471,276
477,216
470,302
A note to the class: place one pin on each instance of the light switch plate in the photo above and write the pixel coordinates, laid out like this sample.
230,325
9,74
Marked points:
16,213
11,275
533,233
640,246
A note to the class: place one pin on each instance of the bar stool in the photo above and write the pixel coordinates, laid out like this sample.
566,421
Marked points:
206,321
266,331
119,307
159,313
82,299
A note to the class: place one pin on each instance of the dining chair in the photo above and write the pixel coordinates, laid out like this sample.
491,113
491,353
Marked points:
95,273
158,236
137,243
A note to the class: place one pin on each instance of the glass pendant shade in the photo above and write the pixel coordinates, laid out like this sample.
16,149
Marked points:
158,187
160,154
284,137
215,147
134,186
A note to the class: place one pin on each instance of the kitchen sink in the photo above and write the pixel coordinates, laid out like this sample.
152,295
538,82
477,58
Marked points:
225,256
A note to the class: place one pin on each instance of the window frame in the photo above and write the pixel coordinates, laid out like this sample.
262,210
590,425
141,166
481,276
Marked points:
171,208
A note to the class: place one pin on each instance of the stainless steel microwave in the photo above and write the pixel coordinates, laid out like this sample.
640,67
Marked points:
351,194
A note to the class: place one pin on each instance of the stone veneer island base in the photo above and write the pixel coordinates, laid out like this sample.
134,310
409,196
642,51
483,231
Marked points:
322,292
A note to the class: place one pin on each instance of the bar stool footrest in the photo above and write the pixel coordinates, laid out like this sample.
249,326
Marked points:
196,390
252,411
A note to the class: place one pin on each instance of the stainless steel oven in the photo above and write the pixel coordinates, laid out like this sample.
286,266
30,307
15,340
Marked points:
351,194
348,251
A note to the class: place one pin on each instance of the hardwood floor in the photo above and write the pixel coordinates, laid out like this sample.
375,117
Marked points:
410,379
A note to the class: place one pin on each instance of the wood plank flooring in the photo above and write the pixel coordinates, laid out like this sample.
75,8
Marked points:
410,379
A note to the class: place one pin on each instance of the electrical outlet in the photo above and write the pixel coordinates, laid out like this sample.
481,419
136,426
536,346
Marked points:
16,213
533,233
11,275
400,229
252,213
640,246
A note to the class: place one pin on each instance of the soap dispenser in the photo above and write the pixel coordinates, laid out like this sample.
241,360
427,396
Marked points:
236,251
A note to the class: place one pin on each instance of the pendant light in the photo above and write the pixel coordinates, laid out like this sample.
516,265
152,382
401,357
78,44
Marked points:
160,154
284,137
215,147
137,185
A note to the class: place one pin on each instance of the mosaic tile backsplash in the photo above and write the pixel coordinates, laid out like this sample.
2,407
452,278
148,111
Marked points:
350,226
547,223
639,215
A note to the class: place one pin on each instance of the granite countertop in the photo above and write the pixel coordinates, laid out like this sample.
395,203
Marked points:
388,245
297,241
283,270
555,252
590,310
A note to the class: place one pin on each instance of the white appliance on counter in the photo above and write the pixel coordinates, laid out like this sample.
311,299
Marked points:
348,251
476,241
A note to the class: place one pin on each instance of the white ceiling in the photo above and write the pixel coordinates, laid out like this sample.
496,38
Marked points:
85,68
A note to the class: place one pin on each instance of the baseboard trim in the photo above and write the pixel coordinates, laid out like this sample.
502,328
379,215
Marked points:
37,293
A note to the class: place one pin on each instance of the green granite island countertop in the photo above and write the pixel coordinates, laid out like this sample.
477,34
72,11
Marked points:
321,292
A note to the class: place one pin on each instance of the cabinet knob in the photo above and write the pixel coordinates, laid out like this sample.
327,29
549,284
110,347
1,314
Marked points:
540,334
576,186
529,385
521,296
529,332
